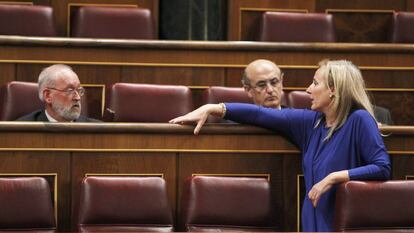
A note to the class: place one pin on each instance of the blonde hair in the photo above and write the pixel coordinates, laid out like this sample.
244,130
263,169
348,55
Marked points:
349,90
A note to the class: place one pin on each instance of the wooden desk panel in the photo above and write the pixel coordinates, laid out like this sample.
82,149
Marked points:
72,150
387,68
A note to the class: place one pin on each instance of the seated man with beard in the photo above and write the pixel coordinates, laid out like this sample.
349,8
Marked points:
60,90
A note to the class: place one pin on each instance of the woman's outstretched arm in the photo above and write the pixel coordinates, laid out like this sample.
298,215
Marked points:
200,115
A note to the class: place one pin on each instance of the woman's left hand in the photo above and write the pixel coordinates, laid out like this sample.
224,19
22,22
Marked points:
324,185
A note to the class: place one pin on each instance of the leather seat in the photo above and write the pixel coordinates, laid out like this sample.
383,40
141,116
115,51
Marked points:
402,27
375,206
14,98
26,20
219,94
299,99
129,102
124,204
211,203
26,205
297,27
113,22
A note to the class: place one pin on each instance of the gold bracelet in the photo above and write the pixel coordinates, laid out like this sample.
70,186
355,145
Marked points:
223,110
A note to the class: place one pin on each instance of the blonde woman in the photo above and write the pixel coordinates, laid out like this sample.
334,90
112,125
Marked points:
339,138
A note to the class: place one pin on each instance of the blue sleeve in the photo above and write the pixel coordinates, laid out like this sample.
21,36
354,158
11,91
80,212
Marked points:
371,150
293,123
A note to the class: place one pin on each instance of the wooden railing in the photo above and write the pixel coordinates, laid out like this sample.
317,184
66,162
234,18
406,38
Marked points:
387,68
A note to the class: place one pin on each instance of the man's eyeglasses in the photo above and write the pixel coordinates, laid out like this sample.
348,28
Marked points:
70,91
264,84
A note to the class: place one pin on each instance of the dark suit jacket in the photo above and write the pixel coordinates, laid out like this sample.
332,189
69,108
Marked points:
40,115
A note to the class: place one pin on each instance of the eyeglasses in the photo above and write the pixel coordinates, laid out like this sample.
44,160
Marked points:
264,84
70,91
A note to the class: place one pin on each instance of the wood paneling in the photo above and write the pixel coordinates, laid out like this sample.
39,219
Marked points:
29,72
7,72
399,103
397,5
72,150
93,101
387,68
410,5
372,26
91,74
174,75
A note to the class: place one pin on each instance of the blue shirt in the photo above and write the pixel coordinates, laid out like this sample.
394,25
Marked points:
357,146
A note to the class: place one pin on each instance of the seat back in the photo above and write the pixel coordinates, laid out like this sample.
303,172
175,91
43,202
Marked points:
219,94
401,29
124,204
26,20
299,99
128,102
227,204
297,27
14,98
375,206
26,205
112,22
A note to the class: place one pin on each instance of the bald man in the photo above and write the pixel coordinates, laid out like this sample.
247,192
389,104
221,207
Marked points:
262,80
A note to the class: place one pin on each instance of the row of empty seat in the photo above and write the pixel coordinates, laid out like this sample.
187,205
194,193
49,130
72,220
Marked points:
129,102
136,23
208,203
88,21
125,204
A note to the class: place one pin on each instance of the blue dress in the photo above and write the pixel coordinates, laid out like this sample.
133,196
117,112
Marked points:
357,147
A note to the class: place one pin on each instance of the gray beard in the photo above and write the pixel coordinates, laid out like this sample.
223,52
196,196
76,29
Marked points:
67,112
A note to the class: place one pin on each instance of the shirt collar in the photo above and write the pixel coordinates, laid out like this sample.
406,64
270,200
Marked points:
51,119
